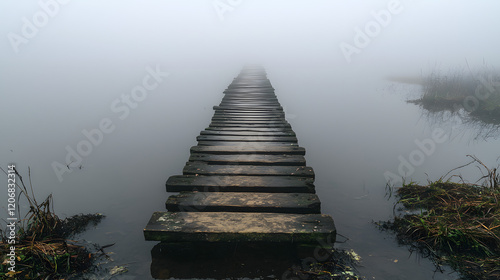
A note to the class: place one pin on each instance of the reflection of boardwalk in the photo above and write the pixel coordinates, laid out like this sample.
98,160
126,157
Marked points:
247,179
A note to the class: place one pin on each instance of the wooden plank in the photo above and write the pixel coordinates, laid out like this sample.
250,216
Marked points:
297,203
264,115
229,99
248,119
250,111
246,97
250,86
249,159
254,129
239,227
249,125
250,96
249,90
261,149
248,133
248,115
246,138
244,122
270,184
193,168
239,106
260,116
253,145
251,103
251,82
257,105
255,109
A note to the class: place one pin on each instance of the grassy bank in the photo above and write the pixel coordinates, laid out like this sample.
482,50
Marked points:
453,223
477,92
42,248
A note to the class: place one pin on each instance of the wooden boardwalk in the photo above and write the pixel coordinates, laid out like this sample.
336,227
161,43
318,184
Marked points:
247,178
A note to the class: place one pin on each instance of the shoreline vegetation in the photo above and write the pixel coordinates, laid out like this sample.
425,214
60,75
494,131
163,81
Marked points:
474,93
43,249
453,223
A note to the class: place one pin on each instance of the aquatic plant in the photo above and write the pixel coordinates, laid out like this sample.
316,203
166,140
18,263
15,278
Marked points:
475,92
42,250
340,266
454,222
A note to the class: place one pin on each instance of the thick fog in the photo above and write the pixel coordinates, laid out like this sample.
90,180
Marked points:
102,99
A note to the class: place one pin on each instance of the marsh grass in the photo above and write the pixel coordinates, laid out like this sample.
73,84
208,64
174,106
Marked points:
476,92
455,223
43,250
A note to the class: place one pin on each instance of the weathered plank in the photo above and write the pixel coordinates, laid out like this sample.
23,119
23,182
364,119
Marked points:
246,97
249,86
270,150
249,108
247,83
249,103
254,144
250,125
255,100
249,111
248,133
254,129
249,115
270,184
248,119
246,138
244,122
250,159
249,91
193,168
297,203
236,227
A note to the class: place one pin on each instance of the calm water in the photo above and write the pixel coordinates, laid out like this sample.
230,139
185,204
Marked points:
74,73
353,133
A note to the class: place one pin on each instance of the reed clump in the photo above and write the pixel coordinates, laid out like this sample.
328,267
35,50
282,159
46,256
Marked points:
43,250
454,223
478,93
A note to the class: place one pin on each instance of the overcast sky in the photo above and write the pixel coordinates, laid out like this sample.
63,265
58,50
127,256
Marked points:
210,33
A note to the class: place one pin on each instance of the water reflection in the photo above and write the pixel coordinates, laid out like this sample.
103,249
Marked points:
476,123
462,123
223,260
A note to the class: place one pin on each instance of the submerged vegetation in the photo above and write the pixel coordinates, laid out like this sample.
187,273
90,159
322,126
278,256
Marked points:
42,247
454,223
477,94
340,266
